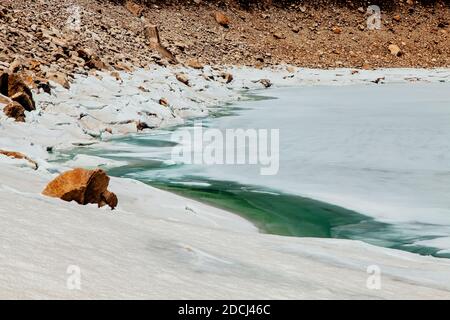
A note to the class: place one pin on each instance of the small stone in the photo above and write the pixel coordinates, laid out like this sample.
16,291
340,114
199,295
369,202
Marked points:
194,63
183,78
336,30
134,8
222,19
142,125
266,83
290,69
116,75
279,35
228,77
164,102
395,50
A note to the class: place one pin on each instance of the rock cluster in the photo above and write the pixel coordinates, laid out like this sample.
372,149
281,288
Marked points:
40,42
82,186
55,39
19,96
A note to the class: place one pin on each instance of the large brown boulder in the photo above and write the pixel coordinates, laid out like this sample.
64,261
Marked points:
15,110
13,86
82,186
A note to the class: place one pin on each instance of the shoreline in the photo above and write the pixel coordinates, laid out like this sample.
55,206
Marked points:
56,124
188,244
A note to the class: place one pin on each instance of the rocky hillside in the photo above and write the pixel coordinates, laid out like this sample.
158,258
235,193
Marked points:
54,39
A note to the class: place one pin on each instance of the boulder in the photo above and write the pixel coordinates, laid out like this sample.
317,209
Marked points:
82,186
15,110
25,100
13,86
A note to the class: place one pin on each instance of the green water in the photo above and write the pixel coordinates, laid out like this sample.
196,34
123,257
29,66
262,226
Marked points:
272,212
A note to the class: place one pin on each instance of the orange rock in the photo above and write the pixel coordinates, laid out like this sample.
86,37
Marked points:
336,30
18,155
82,186
222,19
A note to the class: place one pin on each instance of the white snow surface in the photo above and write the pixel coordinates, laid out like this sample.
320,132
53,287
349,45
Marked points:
159,245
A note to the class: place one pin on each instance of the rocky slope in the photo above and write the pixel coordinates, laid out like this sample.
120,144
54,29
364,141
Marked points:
54,39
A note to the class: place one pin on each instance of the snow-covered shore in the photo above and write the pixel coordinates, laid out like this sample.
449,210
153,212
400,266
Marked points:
159,245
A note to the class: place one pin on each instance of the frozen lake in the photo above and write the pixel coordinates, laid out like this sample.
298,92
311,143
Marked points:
376,157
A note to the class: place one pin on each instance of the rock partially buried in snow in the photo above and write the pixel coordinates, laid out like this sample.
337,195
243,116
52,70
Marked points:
183,78
228,77
266,83
15,110
164,102
83,186
20,156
